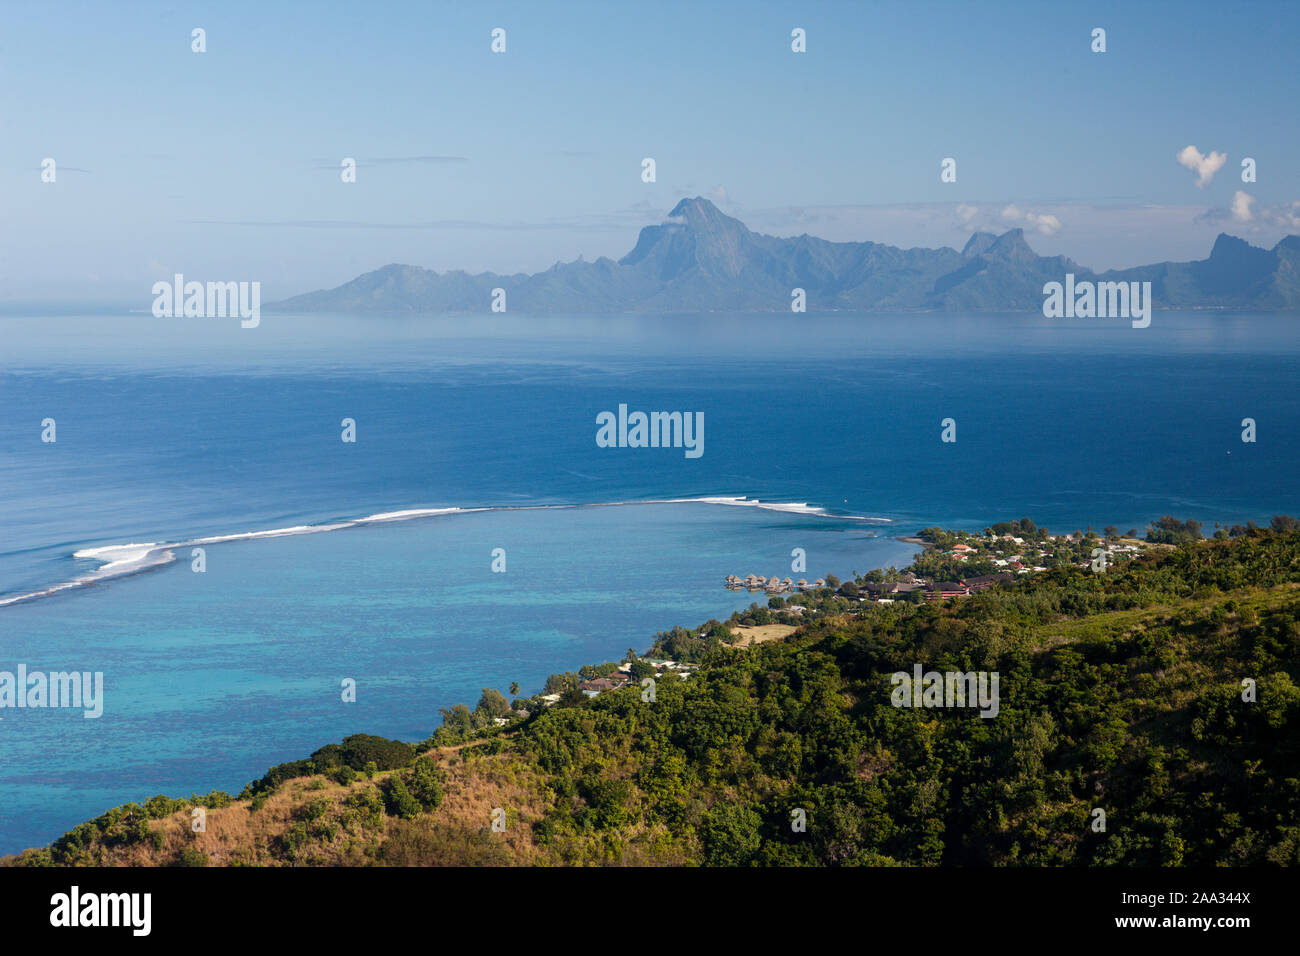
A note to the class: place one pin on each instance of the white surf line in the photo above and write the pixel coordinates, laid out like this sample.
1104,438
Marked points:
744,501
121,560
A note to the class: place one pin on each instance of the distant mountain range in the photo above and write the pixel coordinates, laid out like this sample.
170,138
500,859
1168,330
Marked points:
699,259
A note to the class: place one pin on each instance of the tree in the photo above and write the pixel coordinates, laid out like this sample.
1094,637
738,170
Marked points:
493,703
730,834
457,719
425,783
514,688
1169,530
359,749
559,683
398,800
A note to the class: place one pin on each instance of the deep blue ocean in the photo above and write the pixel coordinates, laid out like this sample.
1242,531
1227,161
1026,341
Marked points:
172,430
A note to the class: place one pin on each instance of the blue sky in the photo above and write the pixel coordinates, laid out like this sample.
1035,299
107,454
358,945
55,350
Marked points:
225,165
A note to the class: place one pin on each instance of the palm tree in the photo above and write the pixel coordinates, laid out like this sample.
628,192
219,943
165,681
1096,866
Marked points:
514,688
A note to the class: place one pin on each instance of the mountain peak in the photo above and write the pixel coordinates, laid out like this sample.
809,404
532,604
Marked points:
978,242
1010,245
1225,244
1239,257
699,213
698,205
696,234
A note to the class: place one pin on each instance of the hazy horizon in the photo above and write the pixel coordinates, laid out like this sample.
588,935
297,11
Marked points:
226,163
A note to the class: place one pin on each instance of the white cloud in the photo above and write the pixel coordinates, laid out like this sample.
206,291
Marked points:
1042,223
1204,166
973,218
1280,217
1250,218
1046,225
1288,216
1241,203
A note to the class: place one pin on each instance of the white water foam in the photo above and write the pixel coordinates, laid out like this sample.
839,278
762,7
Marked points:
120,560
802,508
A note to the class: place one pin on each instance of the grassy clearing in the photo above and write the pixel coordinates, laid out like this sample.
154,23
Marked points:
761,633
